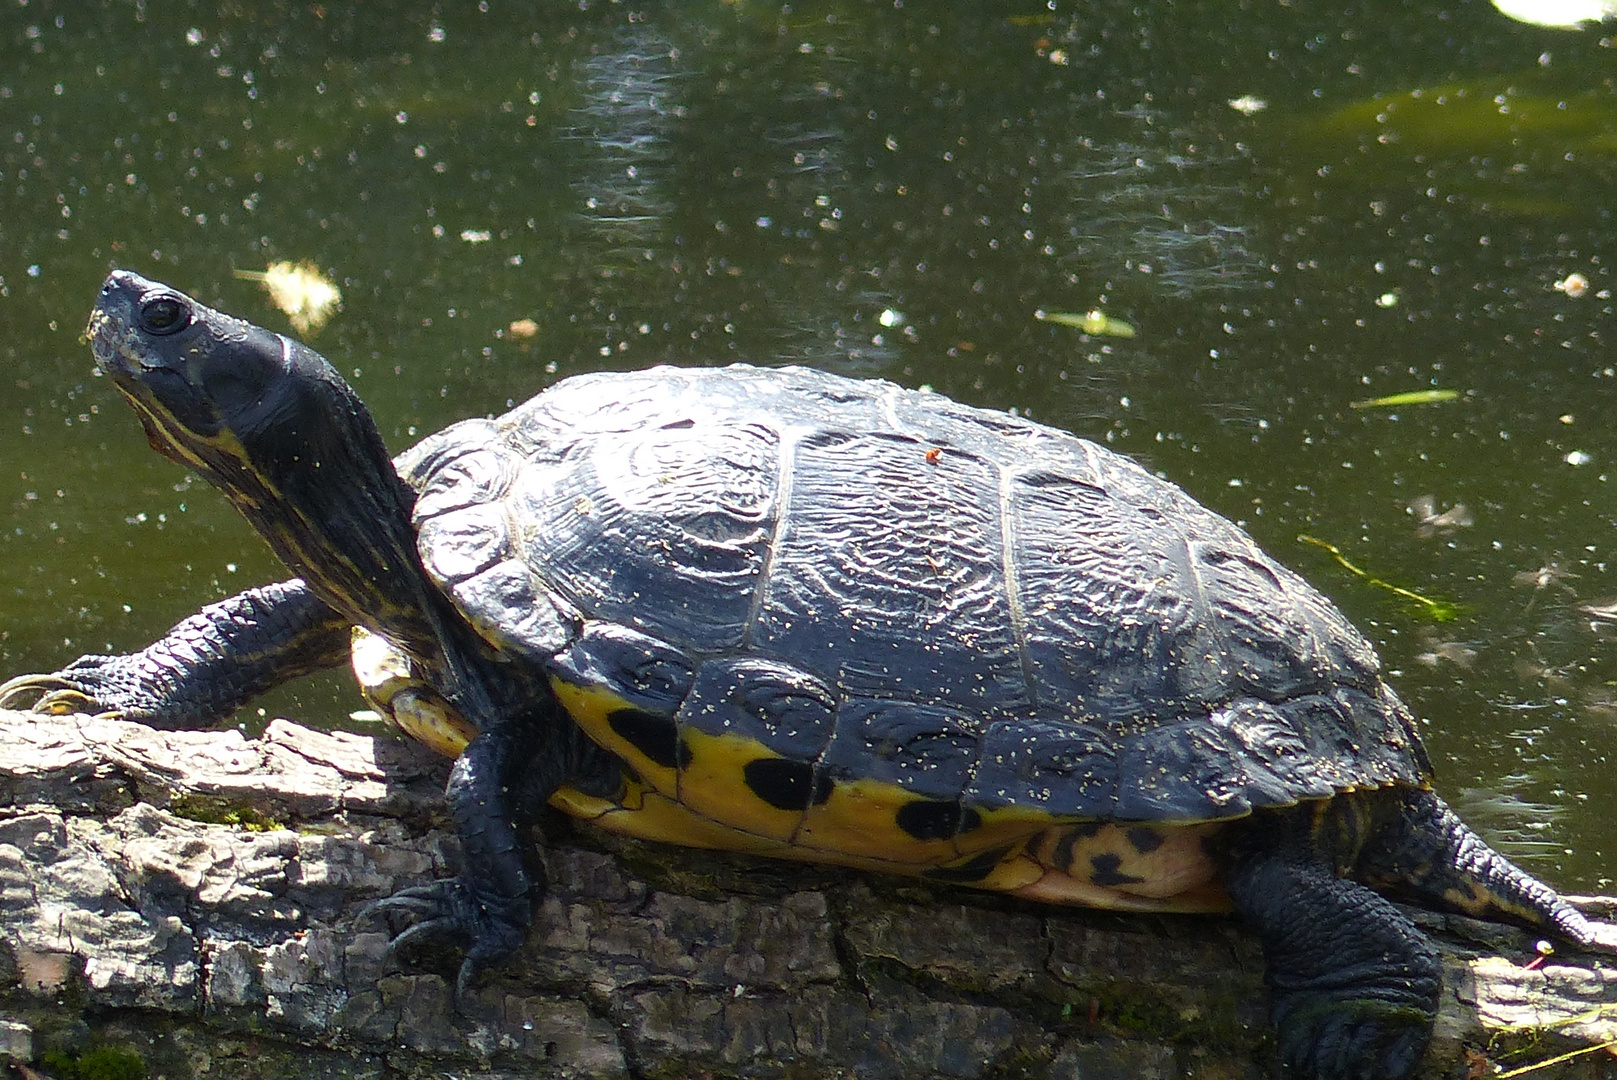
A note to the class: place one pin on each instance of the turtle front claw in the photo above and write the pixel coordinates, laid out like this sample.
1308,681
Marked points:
57,695
449,914
124,687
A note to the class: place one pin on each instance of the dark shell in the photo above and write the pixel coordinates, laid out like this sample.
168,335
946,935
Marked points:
872,582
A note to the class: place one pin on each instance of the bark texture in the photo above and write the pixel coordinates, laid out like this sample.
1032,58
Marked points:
189,900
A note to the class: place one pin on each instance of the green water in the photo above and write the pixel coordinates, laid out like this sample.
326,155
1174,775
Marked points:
886,189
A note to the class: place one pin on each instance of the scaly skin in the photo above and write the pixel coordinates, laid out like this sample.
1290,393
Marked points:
205,668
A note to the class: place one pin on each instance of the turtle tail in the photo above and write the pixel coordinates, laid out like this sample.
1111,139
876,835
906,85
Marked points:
1426,852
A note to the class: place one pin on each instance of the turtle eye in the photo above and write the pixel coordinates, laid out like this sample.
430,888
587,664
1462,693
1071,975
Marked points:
164,315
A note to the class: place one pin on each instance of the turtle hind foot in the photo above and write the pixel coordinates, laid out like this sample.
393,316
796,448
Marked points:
448,915
1331,1036
1353,984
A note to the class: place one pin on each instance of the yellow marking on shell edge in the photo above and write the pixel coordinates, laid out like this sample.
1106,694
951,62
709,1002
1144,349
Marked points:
710,805
590,707
713,785
644,814
860,819
647,815
429,720
1010,874
1006,825
388,683
575,803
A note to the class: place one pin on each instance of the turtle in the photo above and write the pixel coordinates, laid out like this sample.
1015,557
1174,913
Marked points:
780,611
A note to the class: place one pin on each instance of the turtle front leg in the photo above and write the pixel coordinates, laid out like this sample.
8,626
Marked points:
1354,985
203,669
494,787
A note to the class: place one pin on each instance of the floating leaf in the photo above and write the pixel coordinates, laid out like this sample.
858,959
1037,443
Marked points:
301,291
1414,397
1090,322
1439,610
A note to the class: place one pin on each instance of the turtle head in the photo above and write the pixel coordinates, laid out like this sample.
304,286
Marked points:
271,424
236,402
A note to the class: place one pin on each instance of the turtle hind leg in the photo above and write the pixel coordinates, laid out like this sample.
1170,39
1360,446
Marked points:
1354,986
1428,853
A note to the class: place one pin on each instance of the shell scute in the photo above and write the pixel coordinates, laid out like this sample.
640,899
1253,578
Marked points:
640,671
511,612
1058,769
460,543
666,530
787,711
753,732
460,466
926,750
905,558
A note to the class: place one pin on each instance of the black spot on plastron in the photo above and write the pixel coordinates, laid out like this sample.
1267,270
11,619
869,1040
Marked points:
1145,839
785,785
929,819
1061,857
1105,871
654,735
974,869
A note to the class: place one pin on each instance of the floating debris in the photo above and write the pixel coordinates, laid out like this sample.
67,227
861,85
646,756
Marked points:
1558,14
1551,573
1578,457
1090,322
522,329
1387,299
1428,522
1574,285
1438,610
1458,653
890,317
1413,397
476,236
306,296
1601,610
1247,105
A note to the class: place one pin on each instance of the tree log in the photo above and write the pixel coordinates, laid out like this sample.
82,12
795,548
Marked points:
194,898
